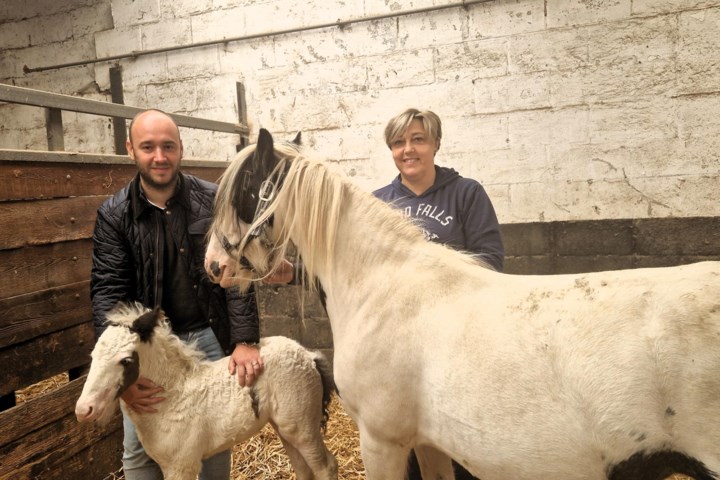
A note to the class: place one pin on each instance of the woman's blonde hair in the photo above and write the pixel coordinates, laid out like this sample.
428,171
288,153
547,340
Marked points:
399,124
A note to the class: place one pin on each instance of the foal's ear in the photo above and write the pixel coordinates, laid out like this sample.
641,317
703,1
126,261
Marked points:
297,140
145,324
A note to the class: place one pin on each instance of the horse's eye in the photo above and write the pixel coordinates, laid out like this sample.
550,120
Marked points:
126,361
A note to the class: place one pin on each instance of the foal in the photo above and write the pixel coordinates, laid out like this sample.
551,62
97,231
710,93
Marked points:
205,410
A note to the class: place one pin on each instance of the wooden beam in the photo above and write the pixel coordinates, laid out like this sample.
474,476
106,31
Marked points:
27,96
116,94
242,114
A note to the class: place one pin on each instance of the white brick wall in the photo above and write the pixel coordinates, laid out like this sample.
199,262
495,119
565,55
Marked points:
563,109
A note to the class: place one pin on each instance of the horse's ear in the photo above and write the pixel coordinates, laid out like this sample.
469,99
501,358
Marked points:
297,140
145,324
247,184
265,152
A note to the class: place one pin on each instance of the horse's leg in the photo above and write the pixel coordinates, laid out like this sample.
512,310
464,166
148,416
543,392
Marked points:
434,463
382,460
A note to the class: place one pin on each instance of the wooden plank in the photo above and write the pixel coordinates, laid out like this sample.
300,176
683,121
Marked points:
21,180
38,98
39,437
47,459
57,220
42,357
97,462
39,313
39,412
36,268
44,156
209,174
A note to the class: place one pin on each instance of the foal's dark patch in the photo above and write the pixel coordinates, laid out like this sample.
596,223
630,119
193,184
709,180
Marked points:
255,402
670,412
145,324
658,466
131,372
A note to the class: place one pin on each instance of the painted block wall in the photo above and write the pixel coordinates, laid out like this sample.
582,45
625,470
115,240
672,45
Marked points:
563,109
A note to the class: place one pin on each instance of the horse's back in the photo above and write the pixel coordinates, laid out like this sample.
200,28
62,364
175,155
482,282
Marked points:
579,353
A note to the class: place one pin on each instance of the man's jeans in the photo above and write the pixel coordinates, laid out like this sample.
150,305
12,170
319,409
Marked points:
137,465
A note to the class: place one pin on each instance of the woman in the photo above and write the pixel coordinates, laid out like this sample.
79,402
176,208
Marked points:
452,210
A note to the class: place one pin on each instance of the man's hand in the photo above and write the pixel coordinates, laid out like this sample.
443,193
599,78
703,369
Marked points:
283,275
140,396
246,361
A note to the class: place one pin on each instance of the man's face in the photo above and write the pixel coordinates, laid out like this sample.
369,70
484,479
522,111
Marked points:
156,148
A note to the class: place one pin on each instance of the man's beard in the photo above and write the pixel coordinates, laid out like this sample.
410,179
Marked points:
148,180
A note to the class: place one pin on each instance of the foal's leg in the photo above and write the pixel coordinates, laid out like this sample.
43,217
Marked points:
307,451
301,468
186,471
434,464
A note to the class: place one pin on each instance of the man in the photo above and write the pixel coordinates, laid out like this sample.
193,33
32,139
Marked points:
149,246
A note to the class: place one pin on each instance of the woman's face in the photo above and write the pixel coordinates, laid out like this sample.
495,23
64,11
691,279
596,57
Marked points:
414,153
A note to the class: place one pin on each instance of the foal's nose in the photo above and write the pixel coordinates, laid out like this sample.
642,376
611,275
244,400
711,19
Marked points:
83,412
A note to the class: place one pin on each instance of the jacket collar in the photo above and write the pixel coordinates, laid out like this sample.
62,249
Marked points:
140,204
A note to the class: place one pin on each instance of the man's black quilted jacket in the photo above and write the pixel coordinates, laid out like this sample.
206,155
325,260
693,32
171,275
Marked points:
126,244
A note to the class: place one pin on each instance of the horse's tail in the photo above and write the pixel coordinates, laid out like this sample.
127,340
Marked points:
322,365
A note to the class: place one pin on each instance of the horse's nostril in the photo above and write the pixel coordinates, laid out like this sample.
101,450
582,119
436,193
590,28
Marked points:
215,269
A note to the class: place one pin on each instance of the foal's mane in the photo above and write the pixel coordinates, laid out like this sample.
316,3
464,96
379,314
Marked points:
125,314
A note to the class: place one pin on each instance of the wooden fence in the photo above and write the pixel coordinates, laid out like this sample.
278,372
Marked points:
48,203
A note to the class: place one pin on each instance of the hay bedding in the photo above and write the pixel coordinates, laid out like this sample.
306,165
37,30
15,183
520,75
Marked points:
263,457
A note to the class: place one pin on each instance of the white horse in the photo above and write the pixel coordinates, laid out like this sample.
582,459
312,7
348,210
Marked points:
206,411
590,376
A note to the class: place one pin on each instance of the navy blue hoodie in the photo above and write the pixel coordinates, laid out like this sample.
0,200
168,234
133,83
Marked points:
454,211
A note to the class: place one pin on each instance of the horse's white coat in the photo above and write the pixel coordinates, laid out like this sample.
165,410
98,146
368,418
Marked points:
516,377
205,410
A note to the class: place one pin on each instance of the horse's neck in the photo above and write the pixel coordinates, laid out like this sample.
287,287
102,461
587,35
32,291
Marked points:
360,244
165,362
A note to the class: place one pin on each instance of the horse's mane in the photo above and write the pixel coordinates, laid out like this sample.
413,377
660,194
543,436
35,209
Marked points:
318,220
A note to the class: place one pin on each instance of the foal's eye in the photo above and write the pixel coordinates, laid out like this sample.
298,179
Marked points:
126,361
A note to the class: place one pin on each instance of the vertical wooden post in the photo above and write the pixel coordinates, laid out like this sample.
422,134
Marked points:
242,115
117,96
54,129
